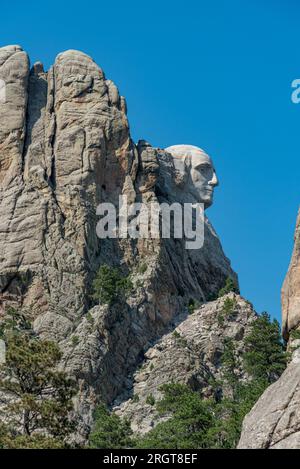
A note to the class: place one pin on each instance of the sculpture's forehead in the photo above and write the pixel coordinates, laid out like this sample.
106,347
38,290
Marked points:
199,159
197,155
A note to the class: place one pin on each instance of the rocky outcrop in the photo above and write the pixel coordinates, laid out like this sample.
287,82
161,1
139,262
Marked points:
62,132
14,69
290,294
190,354
274,421
65,146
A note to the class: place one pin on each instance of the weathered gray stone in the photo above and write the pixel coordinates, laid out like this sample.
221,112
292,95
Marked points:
14,72
274,421
290,294
190,354
65,147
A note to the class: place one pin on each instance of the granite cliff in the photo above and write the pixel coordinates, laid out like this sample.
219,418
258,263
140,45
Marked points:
65,146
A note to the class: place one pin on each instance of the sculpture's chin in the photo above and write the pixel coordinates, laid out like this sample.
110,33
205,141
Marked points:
208,201
205,196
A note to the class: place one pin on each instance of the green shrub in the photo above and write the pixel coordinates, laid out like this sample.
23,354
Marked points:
193,305
228,306
7,441
90,318
220,319
230,286
212,297
110,431
110,285
229,361
142,268
75,340
295,334
179,339
150,399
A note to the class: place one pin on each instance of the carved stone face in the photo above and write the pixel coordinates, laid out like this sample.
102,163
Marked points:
197,171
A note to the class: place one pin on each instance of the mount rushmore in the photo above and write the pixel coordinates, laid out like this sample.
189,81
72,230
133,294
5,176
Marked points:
65,147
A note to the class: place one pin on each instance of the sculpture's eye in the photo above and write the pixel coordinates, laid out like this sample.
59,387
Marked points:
205,169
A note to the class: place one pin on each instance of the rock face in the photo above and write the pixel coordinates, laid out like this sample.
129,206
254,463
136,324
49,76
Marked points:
290,294
190,354
65,147
274,421
58,132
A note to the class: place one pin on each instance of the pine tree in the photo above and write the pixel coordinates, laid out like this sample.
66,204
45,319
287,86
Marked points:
38,397
190,420
264,358
110,431
110,285
230,286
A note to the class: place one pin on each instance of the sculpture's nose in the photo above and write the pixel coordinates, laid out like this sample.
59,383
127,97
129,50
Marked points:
214,181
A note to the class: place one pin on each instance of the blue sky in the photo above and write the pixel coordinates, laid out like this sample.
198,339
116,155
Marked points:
216,74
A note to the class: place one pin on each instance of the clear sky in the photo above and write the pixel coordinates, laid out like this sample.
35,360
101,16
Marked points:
216,74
